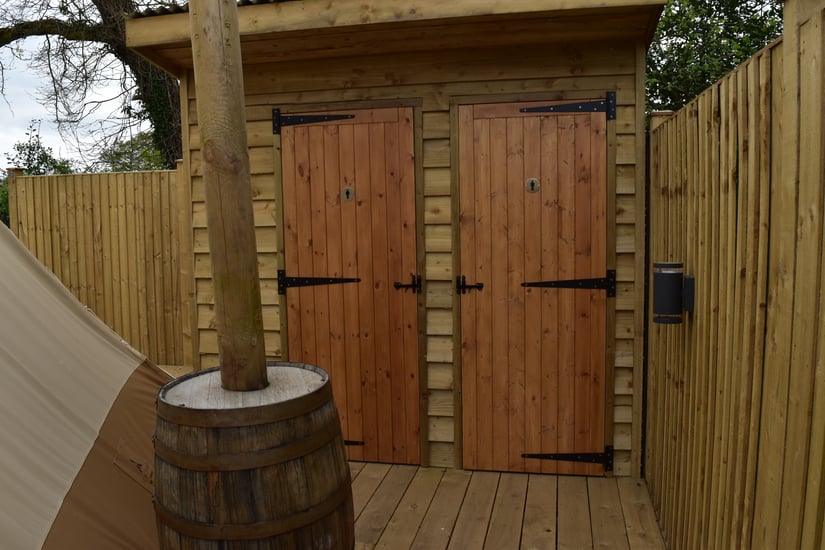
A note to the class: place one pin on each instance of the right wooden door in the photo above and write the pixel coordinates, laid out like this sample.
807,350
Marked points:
533,212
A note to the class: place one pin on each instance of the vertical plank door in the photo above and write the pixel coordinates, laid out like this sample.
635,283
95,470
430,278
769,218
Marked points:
349,231
532,209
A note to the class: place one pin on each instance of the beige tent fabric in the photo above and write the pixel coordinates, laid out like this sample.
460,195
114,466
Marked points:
62,370
110,502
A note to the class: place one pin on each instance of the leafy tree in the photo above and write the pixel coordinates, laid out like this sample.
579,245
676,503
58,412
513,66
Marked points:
82,51
698,42
35,158
132,155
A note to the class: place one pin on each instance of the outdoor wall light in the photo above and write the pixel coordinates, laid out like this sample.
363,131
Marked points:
672,293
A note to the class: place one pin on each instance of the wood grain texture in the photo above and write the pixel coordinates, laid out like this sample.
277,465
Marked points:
376,514
574,527
80,227
471,526
226,174
728,198
278,478
507,517
606,516
550,395
404,524
463,509
465,75
349,211
437,526
539,529
639,519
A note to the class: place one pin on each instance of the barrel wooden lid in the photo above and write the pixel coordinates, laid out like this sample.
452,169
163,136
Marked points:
193,399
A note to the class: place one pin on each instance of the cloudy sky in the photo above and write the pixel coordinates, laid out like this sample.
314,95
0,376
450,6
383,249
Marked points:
18,108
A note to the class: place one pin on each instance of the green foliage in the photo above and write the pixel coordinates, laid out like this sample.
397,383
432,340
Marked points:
136,154
35,158
4,202
698,42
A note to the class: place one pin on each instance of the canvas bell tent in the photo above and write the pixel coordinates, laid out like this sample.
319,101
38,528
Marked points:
78,408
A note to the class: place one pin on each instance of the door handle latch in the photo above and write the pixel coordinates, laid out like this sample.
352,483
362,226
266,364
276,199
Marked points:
461,286
414,284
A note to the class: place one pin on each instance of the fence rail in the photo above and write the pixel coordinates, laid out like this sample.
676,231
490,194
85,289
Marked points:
112,239
736,394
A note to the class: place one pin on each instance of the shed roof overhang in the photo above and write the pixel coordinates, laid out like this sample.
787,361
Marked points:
315,29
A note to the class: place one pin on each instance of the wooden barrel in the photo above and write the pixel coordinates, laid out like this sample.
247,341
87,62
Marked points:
263,469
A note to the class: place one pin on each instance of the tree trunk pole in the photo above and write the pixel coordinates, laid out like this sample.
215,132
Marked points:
218,68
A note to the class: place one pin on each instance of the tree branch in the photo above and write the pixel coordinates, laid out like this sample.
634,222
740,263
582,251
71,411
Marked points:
77,58
68,30
76,30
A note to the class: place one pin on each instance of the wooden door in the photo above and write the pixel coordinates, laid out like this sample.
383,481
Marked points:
533,209
349,213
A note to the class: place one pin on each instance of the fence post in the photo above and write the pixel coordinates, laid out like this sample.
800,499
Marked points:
14,218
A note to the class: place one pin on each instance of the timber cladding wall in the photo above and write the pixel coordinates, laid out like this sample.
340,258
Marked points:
736,395
434,87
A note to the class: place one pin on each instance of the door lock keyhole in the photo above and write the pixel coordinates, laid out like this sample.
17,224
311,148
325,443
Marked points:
348,193
532,185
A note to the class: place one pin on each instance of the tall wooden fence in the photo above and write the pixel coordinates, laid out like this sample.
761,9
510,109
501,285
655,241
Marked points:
736,394
112,239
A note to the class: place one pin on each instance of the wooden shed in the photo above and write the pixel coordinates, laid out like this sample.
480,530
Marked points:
449,202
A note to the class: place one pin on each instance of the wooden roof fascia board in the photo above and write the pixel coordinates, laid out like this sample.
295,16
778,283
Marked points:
312,14
305,45
653,22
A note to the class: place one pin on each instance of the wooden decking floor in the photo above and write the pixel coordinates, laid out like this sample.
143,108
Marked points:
398,507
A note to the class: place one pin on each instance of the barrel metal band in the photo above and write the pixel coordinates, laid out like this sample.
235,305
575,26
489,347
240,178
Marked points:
249,416
251,459
253,531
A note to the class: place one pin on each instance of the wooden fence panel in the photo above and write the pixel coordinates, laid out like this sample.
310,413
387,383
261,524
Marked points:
113,240
736,394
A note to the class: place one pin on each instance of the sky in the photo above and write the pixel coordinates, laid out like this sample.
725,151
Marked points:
18,108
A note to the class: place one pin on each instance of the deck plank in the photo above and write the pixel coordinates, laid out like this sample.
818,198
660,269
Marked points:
364,486
355,469
409,514
474,517
643,531
507,517
574,514
435,530
606,518
539,529
407,507
377,513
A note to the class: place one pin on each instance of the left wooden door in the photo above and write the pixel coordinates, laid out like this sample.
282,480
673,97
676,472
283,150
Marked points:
349,230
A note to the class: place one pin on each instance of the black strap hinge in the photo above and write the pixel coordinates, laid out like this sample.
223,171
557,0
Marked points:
607,105
285,282
607,283
605,458
279,120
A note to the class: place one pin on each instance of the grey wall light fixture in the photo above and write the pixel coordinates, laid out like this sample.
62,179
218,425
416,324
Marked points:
672,293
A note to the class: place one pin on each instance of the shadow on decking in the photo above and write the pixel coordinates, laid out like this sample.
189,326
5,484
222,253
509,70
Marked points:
398,507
